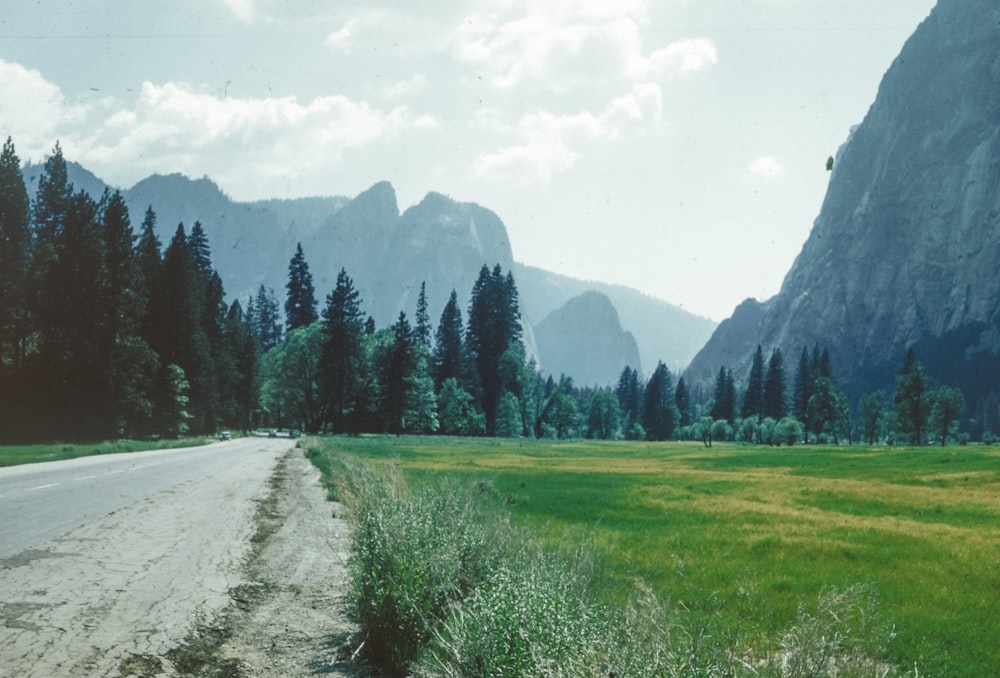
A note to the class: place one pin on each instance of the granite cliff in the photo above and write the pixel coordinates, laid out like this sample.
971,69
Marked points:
905,251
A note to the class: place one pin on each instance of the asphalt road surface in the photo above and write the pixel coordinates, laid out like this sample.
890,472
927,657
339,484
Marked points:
42,501
107,559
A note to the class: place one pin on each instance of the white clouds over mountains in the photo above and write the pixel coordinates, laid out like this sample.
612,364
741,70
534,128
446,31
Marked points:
567,77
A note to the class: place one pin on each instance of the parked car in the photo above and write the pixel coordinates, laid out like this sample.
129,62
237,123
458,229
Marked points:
272,433
225,435
294,433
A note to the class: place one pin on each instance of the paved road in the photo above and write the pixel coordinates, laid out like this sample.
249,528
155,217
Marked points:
42,501
112,560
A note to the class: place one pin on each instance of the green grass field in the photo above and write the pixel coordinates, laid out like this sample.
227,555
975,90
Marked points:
13,455
749,532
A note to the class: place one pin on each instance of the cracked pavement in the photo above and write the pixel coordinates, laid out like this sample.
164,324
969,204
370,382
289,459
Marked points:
135,581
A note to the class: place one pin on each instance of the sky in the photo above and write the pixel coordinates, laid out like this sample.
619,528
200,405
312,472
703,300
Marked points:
678,147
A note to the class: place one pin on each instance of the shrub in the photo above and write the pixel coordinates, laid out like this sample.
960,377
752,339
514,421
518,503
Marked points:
843,637
788,431
413,555
531,617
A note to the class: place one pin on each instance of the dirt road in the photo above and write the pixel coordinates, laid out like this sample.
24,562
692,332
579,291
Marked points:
239,574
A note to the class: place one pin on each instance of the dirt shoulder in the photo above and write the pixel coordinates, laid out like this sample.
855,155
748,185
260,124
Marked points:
289,618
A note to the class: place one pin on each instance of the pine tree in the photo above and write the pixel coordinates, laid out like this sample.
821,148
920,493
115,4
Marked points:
660,413
775,406
449,360
342,355
267,318
179,334
683,400
200,251
422,328
131,364
753,401
300,303
724,407
15,242
44,298
803,388
74,351
396,370
494,324
912,399
630,398
52,199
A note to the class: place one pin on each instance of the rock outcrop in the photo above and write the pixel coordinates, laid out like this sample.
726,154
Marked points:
585,340
906,249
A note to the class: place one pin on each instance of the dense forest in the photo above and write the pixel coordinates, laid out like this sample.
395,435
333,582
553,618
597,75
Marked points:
105,333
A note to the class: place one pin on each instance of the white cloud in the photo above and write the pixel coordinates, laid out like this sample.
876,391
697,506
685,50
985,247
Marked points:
561,42
239,142
342,39
676,59
405,88
767,166
243,9
547,143
32,110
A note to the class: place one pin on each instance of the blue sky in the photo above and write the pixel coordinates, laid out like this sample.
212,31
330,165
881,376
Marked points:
677,146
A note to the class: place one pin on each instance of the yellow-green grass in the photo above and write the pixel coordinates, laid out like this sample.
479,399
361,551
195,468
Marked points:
13,455
754,530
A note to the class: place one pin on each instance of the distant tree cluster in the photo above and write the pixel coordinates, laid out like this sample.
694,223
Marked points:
820,412
340,373
102,335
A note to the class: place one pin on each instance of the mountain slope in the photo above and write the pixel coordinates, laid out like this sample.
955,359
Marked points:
662,330
905,249
439,241
585,339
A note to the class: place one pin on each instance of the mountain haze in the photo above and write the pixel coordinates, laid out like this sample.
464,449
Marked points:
584,339
906,249
439,242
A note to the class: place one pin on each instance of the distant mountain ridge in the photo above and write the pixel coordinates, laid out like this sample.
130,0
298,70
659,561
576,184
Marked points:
906,249
439,242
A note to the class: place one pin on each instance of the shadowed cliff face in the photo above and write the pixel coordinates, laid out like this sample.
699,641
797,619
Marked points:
906,248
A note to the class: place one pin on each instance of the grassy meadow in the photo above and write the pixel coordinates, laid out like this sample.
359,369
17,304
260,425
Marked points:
13,455
747,533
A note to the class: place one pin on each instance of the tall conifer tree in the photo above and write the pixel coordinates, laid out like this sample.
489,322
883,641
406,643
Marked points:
422,328
775,406
449,358
494,324
15,243
342,350
300,302
753,401
660,413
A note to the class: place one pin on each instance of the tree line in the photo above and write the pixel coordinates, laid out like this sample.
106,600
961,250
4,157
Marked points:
106,333
818,411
